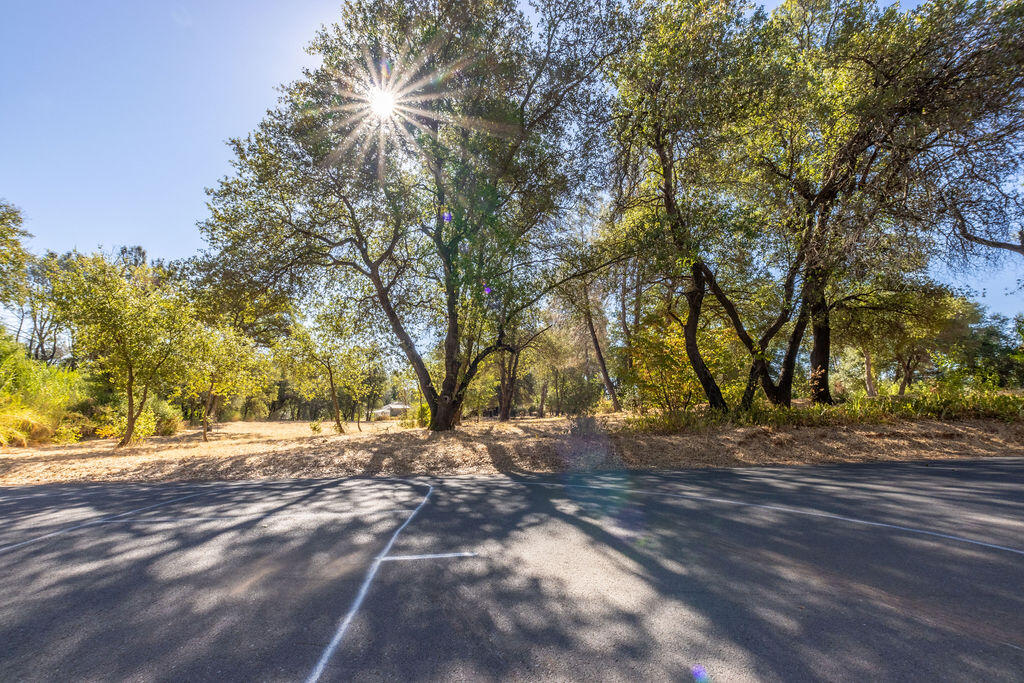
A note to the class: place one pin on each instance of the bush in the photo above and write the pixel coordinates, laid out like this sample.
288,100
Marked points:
114,423
316,426
67,433
168,418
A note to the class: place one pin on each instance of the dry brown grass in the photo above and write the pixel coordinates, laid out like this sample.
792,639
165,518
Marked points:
253,450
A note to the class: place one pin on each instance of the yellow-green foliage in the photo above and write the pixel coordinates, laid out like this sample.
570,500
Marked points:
158,417
34,397
927,404
662,372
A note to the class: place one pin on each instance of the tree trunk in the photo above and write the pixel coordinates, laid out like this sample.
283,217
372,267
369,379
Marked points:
694,302
334,402
358,426
133,415
869,375
207,407
907,379
543,397
747,402
608,386
821,350
442,419
506,390
558,393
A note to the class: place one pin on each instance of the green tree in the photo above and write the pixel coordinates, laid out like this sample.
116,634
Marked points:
430,188
220,364
13,256
127,324
334,356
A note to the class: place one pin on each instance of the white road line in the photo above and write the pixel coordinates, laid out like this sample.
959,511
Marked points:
343,626
97,521
780,508
435,556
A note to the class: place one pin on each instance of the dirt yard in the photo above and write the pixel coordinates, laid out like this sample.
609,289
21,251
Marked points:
252,450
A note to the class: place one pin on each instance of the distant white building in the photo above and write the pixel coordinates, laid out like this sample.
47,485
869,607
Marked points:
391,410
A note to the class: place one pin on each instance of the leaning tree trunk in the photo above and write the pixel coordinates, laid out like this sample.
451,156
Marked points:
694,302
608,386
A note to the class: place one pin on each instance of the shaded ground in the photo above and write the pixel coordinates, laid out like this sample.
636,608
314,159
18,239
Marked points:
252,450
879,572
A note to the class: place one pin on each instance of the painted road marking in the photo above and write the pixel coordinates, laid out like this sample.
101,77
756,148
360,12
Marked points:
343,626
435,556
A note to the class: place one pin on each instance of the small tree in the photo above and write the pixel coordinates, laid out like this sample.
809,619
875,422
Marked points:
330,356
222,364
127,324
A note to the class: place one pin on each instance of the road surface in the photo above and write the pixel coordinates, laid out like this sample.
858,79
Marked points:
882,572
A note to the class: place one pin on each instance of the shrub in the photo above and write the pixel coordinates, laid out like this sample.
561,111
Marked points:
115,422
67,433
315,426
168,418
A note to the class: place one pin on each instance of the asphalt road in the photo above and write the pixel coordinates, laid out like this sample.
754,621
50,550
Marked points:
882,572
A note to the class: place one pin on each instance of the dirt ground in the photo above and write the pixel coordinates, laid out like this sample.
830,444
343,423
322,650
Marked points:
253,450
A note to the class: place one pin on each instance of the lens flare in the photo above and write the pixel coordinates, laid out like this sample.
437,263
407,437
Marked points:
382,103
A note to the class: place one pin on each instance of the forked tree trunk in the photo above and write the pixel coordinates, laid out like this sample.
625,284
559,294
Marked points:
509,365
443,416
133,415
907,369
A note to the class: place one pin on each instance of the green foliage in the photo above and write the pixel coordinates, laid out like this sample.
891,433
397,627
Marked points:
13,256
220,363
129,324
167,418
578,394
937,404
114,424
315,426
158,417
34,397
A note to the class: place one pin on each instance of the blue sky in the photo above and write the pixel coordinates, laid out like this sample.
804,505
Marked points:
114,116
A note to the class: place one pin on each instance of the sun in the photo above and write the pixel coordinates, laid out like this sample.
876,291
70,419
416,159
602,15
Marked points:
382,103
383,106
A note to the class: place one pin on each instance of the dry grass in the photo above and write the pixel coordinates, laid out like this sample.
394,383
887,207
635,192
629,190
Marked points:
252,450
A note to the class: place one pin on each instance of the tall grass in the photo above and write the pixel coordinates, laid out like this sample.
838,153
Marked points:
937,404
34,397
